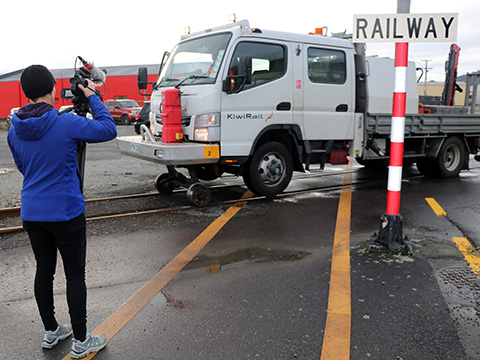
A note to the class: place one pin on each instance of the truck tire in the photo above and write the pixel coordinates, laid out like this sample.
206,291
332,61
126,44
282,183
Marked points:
125,119
451,157
270,169
428,167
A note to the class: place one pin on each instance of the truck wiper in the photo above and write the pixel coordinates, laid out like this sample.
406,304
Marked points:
164,80
191,77
181,82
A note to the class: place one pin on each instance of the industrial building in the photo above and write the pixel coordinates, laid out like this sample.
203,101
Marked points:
121,83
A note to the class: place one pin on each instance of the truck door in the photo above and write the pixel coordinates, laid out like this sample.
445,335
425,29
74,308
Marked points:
267,100
328,87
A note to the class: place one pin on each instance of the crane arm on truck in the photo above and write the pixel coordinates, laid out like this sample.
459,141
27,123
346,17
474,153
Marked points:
451,65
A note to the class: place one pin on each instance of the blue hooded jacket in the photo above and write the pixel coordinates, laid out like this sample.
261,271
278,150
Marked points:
45,151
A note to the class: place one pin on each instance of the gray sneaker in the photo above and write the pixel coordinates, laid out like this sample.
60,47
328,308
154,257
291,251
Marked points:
51,338
92,343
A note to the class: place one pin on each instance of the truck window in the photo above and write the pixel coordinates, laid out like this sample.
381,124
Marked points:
326,66
268,62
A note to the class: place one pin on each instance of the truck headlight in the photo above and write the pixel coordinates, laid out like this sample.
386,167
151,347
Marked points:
201,134
207,127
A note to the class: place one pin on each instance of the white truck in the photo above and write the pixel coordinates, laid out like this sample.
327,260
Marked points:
262,104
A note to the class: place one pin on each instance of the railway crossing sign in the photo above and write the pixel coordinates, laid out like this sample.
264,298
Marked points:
405,28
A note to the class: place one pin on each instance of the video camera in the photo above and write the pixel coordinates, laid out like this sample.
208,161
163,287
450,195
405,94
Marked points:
75,94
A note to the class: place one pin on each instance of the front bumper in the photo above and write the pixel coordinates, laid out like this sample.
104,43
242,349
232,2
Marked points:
183,153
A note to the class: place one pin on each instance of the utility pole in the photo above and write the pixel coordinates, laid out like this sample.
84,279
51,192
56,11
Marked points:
426,72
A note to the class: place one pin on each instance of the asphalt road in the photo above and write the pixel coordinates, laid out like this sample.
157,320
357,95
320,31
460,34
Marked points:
259,287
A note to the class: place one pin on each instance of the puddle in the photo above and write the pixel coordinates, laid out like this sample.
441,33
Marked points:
166,299
307,196
213,264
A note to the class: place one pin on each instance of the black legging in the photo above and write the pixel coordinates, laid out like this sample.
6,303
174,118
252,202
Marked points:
69,237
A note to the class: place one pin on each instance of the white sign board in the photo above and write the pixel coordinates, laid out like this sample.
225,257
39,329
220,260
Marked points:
405,28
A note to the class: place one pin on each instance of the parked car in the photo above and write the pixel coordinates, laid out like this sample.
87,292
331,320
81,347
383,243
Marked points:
124,110
10,114
143,117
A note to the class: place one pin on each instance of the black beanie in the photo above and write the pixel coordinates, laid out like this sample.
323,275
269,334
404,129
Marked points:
36,81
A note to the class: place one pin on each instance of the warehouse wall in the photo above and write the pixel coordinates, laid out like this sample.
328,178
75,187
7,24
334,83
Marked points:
11,94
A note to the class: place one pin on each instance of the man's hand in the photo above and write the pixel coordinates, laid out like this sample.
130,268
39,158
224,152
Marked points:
89,90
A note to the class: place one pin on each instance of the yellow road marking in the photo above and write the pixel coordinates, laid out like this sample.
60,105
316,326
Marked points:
470,254
436,207
115,322
465,247
336,340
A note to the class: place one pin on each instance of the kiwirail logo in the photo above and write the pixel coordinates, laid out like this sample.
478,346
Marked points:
249,116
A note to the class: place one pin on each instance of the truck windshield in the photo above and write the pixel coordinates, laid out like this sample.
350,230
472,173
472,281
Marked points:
195,61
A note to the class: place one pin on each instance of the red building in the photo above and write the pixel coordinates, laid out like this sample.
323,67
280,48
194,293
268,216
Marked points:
121,83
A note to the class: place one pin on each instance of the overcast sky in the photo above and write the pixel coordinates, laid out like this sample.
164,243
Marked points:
118,32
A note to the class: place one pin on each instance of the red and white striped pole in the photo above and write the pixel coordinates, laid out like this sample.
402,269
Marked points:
390,235
397,129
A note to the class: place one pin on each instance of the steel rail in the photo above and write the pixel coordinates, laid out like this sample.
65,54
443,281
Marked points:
7,230
15,211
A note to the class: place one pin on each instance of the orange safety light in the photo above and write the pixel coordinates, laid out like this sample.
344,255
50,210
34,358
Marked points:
319,31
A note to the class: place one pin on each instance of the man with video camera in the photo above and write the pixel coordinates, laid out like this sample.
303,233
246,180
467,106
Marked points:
44,147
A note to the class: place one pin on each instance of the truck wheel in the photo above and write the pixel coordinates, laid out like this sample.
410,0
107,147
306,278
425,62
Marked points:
451,157
125,119
198,195
164,185
428,167
247,179
270,169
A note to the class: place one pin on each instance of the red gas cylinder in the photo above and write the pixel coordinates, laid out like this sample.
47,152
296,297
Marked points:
171,116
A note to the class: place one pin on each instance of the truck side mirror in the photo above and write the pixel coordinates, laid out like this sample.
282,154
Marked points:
244,73
245,68
142,78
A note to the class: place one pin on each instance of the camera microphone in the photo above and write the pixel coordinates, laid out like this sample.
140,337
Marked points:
98,76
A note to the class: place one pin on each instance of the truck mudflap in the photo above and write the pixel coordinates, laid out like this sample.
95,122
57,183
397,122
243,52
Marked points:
183,153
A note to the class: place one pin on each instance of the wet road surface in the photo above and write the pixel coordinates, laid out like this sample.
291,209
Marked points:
258,285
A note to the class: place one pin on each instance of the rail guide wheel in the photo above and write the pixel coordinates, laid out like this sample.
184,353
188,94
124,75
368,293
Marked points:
198,195
164,185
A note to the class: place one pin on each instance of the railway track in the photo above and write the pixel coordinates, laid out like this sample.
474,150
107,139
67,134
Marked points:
14,212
